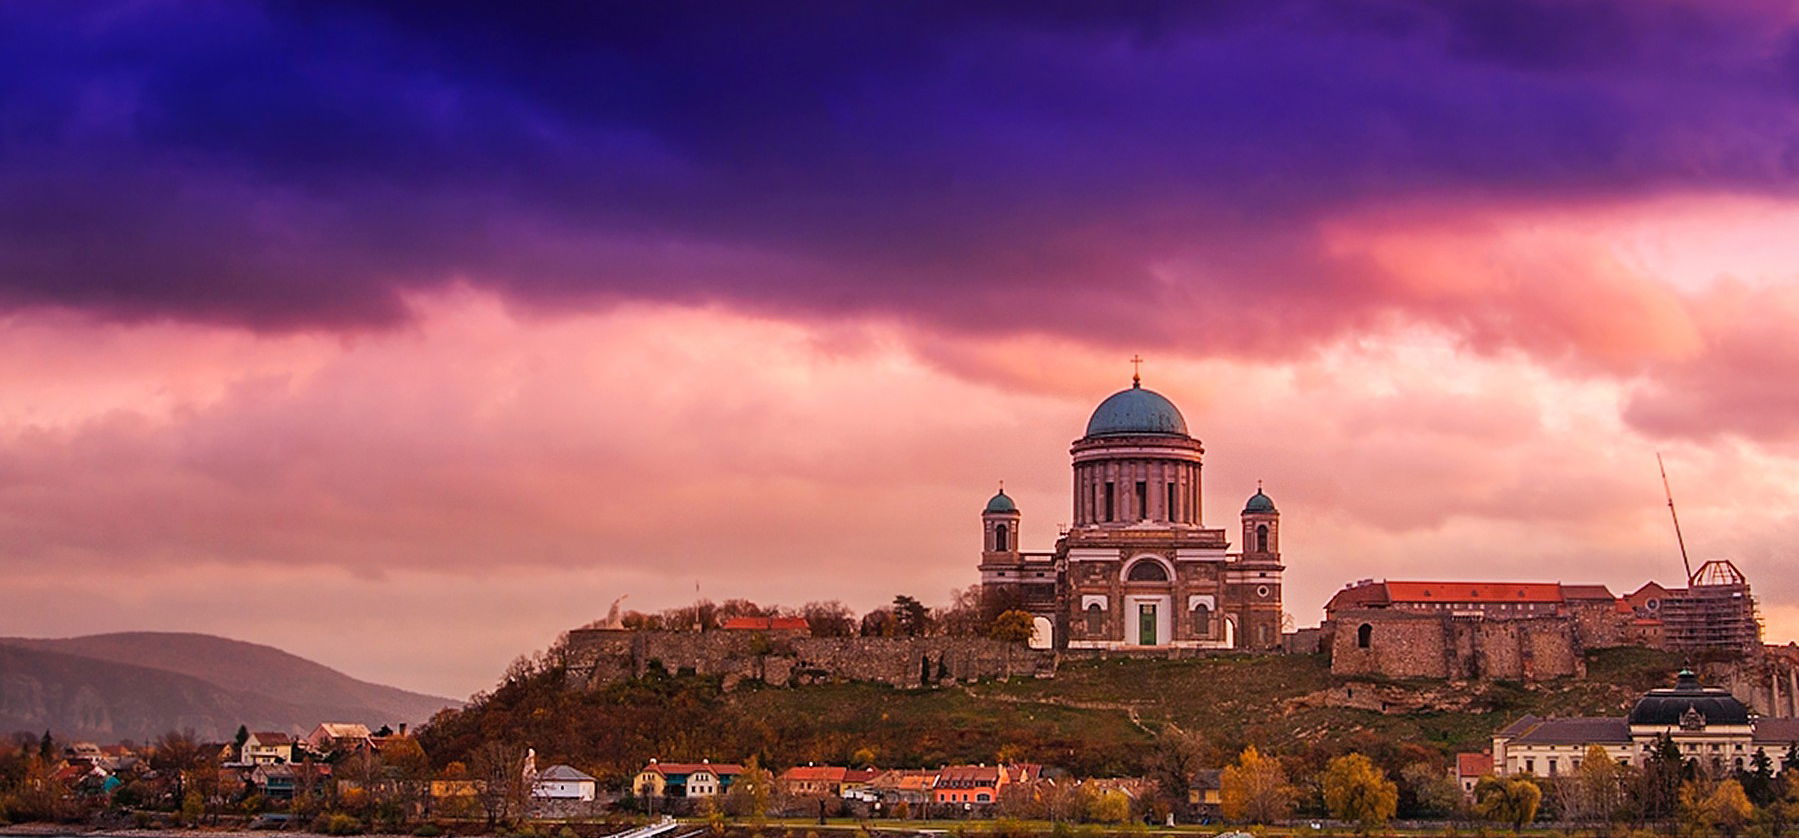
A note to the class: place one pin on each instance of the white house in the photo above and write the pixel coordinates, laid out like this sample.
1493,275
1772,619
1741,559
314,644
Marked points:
562,782
267,748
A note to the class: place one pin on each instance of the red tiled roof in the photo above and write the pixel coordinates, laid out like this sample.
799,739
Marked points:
1477,764
719,768
860,775
1359,596
963,776
814,773
765,624
272,738
1474,591
1596,593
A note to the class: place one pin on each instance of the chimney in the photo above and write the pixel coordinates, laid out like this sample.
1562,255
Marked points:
402,730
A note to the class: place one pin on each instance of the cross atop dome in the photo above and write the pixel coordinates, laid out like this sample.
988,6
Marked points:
1136,370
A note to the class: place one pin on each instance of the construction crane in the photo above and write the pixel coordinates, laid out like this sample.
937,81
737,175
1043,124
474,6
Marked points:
1678,539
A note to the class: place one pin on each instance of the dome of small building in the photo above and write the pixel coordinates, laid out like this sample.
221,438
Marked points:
1258,502
1001,503
1136,411
1688,702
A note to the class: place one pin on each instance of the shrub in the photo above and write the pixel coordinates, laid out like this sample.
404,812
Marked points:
566,832
428,830
336,823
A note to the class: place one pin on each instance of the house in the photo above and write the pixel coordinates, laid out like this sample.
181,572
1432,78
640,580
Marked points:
892,788
1204,791
685,779
968,784
274,780
1714,732
855,783
267,748
563,782
334,737
813,780
1469,768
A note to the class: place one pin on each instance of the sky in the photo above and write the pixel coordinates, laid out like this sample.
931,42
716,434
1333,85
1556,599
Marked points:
404,336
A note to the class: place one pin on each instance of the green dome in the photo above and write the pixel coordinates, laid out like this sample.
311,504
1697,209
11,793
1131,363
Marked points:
1136,411
1258,502
1001,503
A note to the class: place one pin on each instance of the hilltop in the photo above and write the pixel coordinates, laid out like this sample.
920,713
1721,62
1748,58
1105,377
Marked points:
1096,717
136,685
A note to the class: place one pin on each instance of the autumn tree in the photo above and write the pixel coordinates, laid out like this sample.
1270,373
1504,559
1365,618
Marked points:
1433,792
1722,809
1255,789
1355,789
828,619
1594,792
1013,627
1112,806
752,791
1510,800
1176,757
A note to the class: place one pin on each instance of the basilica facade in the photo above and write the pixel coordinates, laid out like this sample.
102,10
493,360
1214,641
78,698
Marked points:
1138,569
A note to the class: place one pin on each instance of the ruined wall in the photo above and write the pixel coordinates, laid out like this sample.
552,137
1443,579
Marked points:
1403,644
601,656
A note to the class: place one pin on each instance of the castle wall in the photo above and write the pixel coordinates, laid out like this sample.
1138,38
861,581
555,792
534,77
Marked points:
1405,644
601,656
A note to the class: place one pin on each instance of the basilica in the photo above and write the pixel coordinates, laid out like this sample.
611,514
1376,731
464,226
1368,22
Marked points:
1138,569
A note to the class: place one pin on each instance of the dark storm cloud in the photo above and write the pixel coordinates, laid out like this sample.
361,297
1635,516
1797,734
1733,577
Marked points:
1005,166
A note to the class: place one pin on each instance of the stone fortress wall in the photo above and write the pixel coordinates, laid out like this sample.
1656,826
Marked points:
601,656
1400,644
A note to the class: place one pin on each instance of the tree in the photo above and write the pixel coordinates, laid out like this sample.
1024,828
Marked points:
1255,789
1726,809
1434,792
1595,791
1013,627
499,771
752,791
828,619
1659,785
1512,800
1758,782
243,735
1356,790
1110,807
910,617
46,749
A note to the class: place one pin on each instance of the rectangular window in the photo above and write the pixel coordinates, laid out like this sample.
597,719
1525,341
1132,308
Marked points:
1172,506
1111,501
1142,500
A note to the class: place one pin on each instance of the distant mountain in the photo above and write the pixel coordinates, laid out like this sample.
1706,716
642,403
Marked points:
136,685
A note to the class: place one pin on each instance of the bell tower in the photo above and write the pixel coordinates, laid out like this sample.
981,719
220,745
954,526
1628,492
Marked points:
1261,528
999,524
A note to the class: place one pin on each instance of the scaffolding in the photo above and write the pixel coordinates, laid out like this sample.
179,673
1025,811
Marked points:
1715,612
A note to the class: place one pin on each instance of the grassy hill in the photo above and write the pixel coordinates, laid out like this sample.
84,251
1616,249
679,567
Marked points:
1095,717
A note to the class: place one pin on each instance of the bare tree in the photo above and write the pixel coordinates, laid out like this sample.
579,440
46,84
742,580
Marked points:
499,772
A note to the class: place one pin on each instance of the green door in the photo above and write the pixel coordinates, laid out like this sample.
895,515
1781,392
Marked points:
1146,624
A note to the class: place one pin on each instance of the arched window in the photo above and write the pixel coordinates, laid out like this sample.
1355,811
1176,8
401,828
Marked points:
1096,620
1363,635
1261,538
1147,570
1202,620
999,537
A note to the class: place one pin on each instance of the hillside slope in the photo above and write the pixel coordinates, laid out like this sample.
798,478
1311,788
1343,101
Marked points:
138,684
1098,717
